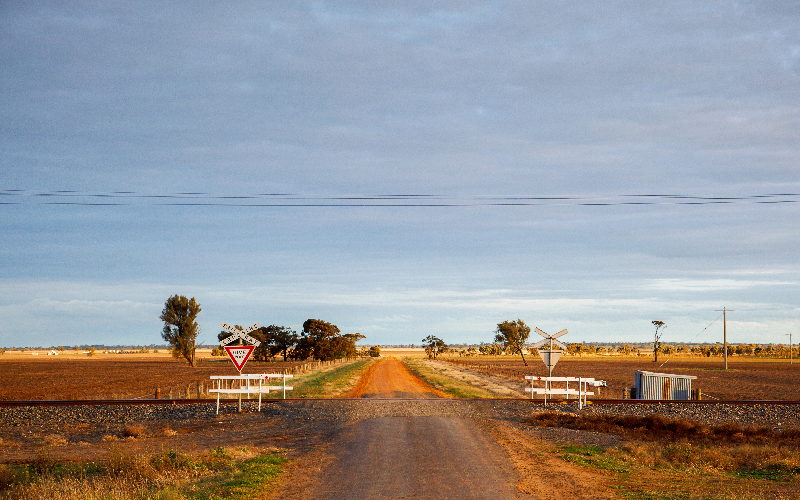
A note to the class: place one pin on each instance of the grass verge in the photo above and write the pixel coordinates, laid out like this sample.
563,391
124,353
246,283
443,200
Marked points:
671,459
229,473
329,383
449,385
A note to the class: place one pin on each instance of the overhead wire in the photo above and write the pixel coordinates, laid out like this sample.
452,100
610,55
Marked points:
133,198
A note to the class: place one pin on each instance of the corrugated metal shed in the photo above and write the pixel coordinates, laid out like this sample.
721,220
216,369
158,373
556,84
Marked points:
650,385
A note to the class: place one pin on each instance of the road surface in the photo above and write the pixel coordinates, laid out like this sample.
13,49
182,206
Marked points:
422,457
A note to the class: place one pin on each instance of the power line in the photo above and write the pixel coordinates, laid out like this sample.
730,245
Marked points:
133,198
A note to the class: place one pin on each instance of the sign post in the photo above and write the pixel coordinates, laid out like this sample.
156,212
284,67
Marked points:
239,354
550,357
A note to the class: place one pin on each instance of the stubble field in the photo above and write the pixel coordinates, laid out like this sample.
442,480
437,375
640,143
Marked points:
745,379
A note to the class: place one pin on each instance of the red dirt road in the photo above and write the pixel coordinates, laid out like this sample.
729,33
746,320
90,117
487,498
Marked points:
389,378
420,457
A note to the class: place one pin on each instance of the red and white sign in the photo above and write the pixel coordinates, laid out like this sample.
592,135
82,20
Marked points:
239,354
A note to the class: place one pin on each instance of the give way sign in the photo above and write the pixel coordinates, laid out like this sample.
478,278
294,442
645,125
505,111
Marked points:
239,354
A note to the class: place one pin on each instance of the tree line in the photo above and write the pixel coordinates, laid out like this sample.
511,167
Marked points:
318,340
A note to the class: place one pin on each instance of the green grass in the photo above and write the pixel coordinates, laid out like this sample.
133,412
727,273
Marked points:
592,457
250,477
450,386
324,384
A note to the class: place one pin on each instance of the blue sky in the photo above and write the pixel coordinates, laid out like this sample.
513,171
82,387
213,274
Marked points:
400,170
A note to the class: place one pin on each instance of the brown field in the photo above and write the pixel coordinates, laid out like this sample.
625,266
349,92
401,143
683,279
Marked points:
745,379
74,376
113,376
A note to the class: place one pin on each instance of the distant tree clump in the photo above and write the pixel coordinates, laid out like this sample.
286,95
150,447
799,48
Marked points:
490,349
513,335
375,351
434,346
180,328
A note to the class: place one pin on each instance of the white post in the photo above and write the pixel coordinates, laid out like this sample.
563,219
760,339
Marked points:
259,394
219,391
580,392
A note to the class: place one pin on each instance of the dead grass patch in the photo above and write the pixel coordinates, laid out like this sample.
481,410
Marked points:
54,440
134,431
659,428
220,473
681,459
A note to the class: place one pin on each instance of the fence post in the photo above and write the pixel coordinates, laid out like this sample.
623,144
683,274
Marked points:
158,392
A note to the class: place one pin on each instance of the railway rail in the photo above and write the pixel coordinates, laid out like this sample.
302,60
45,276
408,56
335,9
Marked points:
137,402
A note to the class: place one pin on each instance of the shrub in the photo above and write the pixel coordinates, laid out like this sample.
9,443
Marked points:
133,431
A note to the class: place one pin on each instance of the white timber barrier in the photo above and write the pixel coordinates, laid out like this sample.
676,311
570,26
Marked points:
246,384
581,391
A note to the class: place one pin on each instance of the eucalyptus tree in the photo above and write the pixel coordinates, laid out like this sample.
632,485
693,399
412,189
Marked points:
180,326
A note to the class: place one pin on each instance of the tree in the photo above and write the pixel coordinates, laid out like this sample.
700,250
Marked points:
274,340
180,328
434,346
660,325
513,335
324,341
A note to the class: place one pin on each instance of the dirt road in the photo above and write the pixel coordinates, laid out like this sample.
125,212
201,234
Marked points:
389,378
420,457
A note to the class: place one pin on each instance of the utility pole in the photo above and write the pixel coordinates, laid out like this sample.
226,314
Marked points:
725,335
790,347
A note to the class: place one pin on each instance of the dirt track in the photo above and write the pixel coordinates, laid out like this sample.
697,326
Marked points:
421,457
390,378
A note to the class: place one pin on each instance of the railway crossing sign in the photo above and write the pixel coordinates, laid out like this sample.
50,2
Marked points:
239,354
240,334
550,356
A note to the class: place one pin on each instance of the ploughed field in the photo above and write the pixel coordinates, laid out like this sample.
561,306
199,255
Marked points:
115,377
138,376
745,379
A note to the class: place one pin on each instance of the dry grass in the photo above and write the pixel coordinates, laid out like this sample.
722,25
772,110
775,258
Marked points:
658,428
221,473
680,459
133,431
53,440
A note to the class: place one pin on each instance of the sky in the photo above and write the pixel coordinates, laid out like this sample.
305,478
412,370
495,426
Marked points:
400,169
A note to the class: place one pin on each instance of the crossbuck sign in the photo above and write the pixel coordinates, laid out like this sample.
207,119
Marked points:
239,354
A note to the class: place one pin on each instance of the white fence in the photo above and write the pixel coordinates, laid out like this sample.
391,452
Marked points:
246,385
581,391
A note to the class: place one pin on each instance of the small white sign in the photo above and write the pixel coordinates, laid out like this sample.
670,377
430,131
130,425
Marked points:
240,334
239,354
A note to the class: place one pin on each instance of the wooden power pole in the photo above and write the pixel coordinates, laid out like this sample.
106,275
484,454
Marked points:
725,335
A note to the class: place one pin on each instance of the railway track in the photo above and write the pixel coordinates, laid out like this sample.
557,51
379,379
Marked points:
139,402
